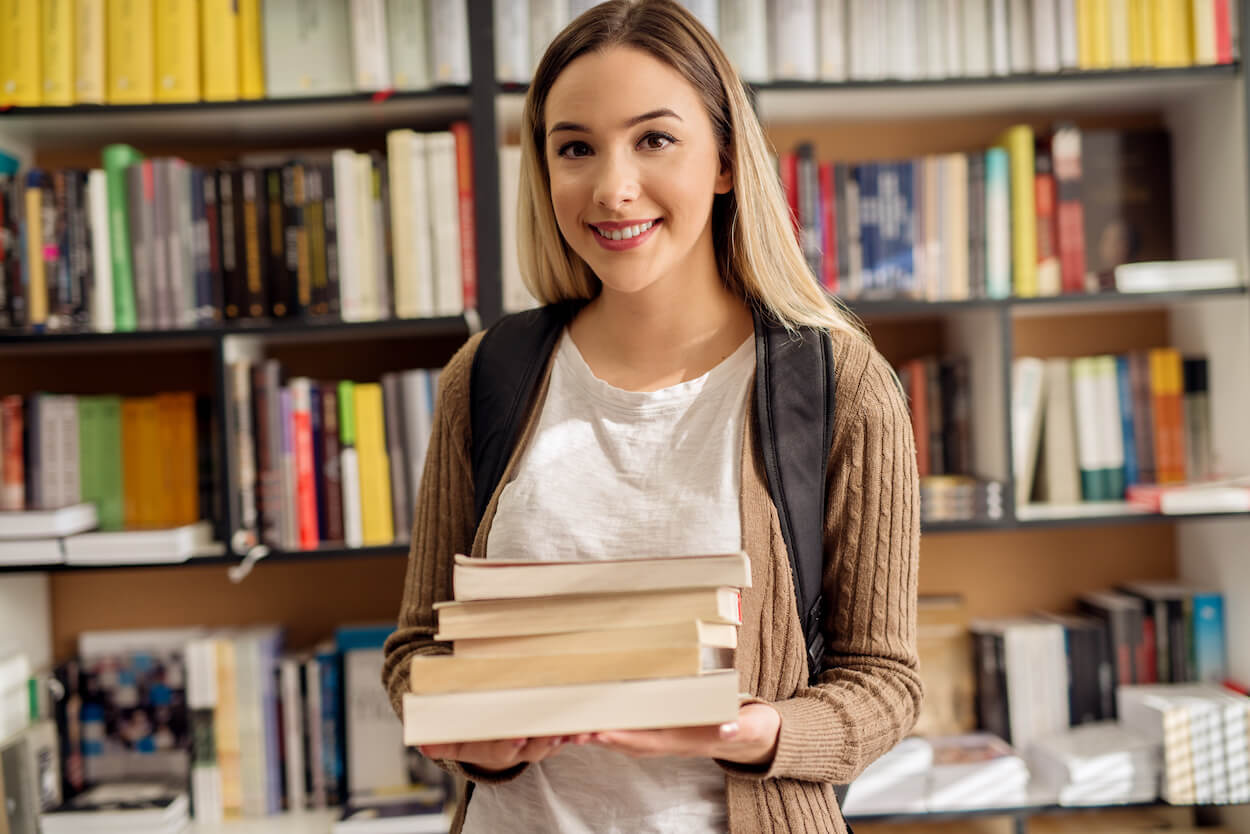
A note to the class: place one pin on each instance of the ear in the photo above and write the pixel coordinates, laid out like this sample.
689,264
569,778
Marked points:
725,178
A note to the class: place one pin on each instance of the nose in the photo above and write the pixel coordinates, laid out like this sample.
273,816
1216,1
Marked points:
616,184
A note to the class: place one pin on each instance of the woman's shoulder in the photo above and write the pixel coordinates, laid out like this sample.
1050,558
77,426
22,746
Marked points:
453,382
866,384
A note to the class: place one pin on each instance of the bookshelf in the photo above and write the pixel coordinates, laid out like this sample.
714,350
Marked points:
1008,566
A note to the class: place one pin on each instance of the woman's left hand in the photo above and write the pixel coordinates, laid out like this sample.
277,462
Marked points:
752,739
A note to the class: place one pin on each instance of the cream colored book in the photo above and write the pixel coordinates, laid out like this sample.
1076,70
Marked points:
664,635
476,579
448,673
551,615
565,710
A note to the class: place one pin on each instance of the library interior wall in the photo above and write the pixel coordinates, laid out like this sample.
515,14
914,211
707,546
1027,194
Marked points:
26,616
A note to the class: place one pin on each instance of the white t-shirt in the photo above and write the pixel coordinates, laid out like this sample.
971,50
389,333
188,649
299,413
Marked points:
611,473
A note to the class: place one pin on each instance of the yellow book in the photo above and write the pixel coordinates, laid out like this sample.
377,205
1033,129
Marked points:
220,32
375,476
251,51
56,24
1141,33
1100,34
36,279
1119,36
1018,141
20,67
131,52
177,50
1084,34
1173,39
89,51
226,729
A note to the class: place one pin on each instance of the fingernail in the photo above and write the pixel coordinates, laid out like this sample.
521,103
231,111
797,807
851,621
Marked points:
518,743
729,730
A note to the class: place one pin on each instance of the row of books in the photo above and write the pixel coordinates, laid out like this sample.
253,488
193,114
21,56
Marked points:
137,459
1039,675
1034,215
561,648
950,498
157,243
1144,418
864,40
939,397
71,52
326,462
233,718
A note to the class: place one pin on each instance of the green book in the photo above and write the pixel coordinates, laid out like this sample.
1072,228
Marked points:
100,457
116,159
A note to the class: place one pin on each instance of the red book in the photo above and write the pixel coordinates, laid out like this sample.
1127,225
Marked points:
468,226
305,485
13,486
828,230
918,396
1044,199
1069,211
1223,32
789,163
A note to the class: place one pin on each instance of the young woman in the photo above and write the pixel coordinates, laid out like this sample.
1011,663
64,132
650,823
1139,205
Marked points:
647,191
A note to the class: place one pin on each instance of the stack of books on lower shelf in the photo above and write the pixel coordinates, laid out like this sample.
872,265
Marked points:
73,535
560,648
136,808
1097,764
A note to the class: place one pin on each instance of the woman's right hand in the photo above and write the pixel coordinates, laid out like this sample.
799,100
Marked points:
500,755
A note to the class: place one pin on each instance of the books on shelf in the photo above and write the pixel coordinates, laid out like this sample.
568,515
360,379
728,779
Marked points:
418,813
1177,276
140,807
1098,764
327,235
666,658
771,40
47,524
126,547
1022,678
1192,498
149,53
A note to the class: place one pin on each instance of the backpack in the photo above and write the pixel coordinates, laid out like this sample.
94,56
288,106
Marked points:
794,406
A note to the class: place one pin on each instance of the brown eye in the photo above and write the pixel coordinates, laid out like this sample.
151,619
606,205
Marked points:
657,141
573,150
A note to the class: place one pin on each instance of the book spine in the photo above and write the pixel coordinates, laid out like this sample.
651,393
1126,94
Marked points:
251,51
255,207
213,228
1124,386
331,509
828,230
353,530
36,283
177,46
131,52
228,209
305,485
220,32
468,225
57,52
244,436
330,217
370,48
449,41
20,65
314,232
13,473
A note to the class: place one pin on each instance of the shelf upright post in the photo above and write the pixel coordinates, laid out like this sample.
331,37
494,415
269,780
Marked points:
487,211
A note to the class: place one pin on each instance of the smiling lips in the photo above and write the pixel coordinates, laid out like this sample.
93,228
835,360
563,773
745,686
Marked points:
617,236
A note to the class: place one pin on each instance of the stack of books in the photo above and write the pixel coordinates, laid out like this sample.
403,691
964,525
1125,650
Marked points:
560,648
133,807
1098,764
1203,729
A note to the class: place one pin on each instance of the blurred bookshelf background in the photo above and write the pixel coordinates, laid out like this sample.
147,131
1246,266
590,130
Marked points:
239,239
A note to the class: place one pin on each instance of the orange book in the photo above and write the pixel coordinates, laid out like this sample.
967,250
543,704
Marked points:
132,458
917,396
1165,393
179,474
468,226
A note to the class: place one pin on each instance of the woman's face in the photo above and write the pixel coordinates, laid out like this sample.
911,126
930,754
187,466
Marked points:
634,167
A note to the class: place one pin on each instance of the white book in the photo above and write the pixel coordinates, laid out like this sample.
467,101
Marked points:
903,40
512,41
314,731
31,551
708,13
978,770
71,475
420,230
47,524
293,733
1086,402
346,199
1020,32
1174,276
406,42
444,203
1027,386
952,33
565,710
1045,24
403,247
353,529
200,657
101,260
976,37
370,49
1204,30
1062,478
376,758
1069,54
1000,38
744,37
933,36
794,31
418,411
449,41
547,18
307,48
125,547
833,35
515,295
367,252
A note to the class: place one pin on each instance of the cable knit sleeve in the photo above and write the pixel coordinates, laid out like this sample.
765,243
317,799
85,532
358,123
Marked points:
871,694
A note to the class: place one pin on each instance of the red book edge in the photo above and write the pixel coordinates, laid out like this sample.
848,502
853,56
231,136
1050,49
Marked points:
468,227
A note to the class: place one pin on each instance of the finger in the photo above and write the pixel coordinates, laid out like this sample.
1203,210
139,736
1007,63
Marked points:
439,751
537,749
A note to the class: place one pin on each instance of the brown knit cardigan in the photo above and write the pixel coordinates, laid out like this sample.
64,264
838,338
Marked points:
870,696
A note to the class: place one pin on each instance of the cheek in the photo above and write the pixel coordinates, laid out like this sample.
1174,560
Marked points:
566,200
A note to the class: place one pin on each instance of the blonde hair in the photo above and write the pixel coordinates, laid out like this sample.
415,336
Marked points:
752,231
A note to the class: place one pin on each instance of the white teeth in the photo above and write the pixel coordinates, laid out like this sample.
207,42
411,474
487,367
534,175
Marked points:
626,233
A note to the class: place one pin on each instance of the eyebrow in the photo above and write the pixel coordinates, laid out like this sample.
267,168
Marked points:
645,117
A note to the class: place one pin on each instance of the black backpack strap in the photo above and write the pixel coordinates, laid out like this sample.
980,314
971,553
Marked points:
507,366
794,407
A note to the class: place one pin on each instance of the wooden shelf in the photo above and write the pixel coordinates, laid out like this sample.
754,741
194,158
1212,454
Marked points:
231,122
